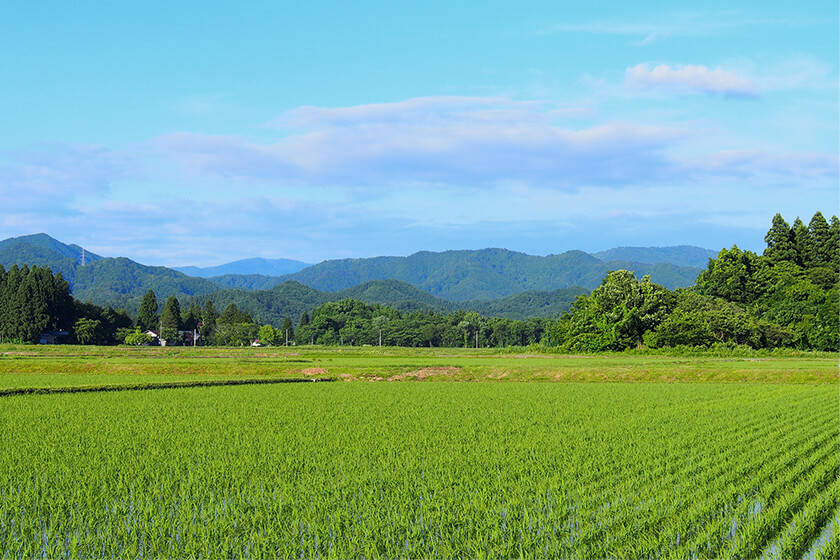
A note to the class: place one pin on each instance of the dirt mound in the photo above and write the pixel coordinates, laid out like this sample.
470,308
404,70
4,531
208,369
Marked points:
426,372
314,371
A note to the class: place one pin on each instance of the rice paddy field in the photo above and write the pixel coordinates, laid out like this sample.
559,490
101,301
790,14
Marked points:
409,453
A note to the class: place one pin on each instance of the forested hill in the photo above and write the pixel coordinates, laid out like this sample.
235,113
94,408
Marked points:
118,282
484,274
42,250
290,299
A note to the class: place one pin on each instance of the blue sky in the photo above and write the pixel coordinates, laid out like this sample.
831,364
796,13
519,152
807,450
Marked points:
204,133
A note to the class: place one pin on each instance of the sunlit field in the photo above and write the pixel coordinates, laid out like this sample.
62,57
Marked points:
602,456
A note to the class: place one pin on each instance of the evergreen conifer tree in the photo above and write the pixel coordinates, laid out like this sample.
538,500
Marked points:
287,332
780,243
170,319
805,256
31,301
208,321
192,318
834,242
233,316
818,228
147,317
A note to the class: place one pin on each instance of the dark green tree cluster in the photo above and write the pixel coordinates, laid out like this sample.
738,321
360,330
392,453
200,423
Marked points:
617,315
354,323
792,289
33,301
100,325
787,297
235,327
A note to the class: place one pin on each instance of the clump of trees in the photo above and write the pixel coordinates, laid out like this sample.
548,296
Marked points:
354,323
786,297
33,301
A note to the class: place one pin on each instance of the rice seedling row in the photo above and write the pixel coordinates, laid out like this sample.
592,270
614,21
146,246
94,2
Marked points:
416,469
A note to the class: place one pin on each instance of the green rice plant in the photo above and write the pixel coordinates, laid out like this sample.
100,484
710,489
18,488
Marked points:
829,549
455,470
806,525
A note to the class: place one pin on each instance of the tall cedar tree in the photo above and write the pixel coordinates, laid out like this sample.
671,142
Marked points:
208,320
804,244
192,317
147,318
820,233
834,242
170,318
287,332
780,243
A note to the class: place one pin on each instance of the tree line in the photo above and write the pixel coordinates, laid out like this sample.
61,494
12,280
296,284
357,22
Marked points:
785,297
34,301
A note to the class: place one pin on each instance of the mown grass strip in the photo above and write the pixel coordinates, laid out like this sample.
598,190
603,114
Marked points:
147,386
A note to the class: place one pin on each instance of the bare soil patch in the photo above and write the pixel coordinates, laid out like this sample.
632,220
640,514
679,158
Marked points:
426,372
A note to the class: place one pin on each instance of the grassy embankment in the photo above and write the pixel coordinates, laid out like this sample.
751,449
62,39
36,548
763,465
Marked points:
72,366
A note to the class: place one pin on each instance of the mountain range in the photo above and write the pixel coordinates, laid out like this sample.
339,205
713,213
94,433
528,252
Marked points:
291,299
494,282
486,273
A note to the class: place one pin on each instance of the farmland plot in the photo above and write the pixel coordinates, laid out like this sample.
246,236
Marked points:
423,470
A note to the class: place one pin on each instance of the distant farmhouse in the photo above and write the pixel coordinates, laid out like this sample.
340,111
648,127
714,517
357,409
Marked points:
54,337
185,338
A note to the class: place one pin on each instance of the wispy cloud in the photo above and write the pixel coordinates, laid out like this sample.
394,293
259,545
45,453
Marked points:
747,164
465,141
690,78
56,173
680,24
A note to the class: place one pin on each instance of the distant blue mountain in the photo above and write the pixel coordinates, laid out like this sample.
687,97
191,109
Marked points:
263,267
680,255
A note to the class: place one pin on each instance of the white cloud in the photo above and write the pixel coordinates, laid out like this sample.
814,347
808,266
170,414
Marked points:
690,78
462,141
441,143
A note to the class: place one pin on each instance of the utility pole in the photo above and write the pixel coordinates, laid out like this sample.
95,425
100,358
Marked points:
476,338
